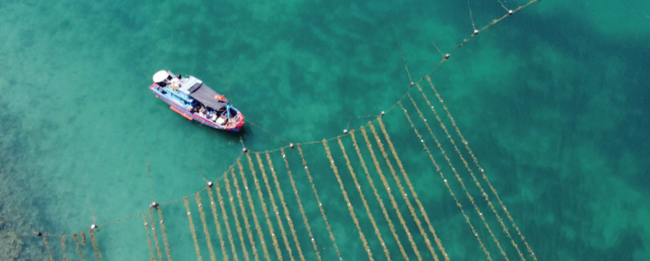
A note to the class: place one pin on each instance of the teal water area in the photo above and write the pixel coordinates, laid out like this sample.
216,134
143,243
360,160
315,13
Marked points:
553,102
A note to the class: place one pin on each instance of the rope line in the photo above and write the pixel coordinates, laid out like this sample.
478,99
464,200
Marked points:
79,251
234,212
162,226
410,186
208,241
146,156
320,205
503,226
347,200
63,247
250,202
442,176
502,5
471,199
155,235
181,198
465,41
243,211
388,191
189,218
225,219
98,255
401,188
119,220
271,133
530,251
83,238
363,199
47,246
302,210
401,51
471,17
284,207
374,189
266,213
275,207
146,227
217,225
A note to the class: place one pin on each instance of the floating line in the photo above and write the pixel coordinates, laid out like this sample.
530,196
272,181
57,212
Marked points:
530,251
390,195
347,200
205,228
83,238
320,205
189,218
478,211
442,176
155,234
162,226
415,196
374,189
243,211
225,219
266,213
302,210
47,246
363,199
79,251
146,227
216,223
284,206
98,255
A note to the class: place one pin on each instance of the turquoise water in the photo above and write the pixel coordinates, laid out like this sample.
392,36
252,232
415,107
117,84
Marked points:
552,100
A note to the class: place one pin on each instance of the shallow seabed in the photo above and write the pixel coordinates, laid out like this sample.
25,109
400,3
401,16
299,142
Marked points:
553,102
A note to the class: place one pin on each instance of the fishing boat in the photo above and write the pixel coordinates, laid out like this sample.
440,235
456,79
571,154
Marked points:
192,99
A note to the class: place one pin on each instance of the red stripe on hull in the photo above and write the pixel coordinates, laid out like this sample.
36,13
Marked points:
173,106
179,112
